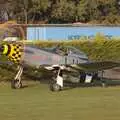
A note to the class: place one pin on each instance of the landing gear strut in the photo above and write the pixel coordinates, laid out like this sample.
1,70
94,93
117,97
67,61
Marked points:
16,83
57,84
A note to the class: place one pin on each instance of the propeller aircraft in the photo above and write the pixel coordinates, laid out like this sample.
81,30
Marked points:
57,59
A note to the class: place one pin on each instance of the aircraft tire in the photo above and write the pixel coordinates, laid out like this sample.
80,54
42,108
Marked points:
15,84
51,84
103,84
55,87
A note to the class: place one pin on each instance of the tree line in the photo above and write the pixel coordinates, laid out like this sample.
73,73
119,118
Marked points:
61,11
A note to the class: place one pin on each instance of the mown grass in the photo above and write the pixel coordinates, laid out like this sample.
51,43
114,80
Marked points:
36,102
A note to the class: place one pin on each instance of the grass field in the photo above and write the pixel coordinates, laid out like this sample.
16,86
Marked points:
36,102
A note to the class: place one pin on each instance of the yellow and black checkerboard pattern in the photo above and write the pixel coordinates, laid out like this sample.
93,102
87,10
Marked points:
14,52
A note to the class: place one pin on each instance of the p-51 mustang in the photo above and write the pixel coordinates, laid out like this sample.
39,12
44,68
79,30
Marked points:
55,59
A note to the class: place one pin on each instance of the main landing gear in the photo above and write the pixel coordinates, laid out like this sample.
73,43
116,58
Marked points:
16,83
57,84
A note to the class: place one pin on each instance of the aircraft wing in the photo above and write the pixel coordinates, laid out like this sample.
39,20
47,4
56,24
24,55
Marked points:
95,66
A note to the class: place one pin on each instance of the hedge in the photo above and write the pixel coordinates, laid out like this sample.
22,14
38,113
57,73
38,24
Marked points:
97,50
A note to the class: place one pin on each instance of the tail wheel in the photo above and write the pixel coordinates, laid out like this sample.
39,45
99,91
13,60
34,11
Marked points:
16,84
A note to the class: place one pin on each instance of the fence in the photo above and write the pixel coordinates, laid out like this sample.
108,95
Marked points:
69,32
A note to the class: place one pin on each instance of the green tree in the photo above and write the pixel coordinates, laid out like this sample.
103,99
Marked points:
20,9
89,10
63,12
40,9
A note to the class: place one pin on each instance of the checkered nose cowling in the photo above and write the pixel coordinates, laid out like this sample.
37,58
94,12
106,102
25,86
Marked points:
13,51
